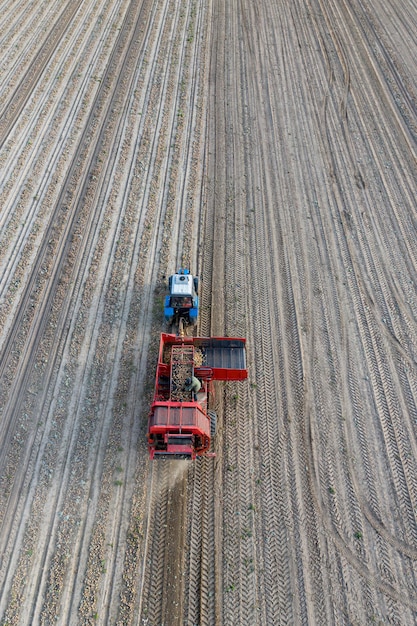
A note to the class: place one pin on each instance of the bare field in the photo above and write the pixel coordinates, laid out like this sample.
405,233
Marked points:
271,147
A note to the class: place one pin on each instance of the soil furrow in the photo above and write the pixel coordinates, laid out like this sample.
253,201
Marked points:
16,102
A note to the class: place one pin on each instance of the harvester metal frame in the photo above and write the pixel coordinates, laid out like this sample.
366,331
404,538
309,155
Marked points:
179,425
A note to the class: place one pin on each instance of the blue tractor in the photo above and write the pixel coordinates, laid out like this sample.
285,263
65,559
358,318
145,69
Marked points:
181,305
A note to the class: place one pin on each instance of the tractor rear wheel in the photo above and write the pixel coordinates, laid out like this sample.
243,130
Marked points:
213,422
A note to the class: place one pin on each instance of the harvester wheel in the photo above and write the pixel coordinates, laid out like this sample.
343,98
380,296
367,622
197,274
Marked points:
213,422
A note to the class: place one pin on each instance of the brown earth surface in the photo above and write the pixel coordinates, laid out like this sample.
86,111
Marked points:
271,147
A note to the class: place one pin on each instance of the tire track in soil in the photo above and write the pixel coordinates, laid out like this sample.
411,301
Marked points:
204,593
235,598
201,566
202,597
275,409
237,580
192,596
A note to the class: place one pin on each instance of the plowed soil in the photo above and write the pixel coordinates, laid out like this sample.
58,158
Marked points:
270,146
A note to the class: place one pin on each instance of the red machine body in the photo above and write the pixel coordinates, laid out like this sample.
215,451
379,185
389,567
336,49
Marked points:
179,423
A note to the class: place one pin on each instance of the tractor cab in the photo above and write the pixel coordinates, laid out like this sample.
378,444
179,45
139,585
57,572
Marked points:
182,301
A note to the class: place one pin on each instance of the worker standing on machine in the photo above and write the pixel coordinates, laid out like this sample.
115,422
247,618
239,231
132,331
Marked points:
193,384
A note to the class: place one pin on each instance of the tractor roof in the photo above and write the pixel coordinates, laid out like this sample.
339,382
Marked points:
182,285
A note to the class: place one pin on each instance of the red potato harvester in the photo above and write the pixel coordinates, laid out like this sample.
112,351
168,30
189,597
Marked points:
181,423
